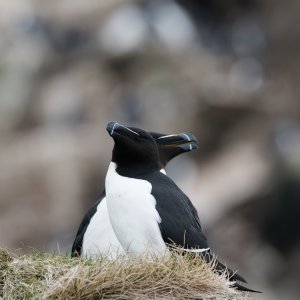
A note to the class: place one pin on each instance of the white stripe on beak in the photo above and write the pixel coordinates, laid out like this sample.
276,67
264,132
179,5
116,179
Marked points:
188,140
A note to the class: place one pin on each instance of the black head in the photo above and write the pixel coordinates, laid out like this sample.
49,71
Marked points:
134,149
172,145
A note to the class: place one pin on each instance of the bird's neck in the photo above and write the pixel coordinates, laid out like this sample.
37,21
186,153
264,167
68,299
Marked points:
136,170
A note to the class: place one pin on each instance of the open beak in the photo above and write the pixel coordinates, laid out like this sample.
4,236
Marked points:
114,129
185,140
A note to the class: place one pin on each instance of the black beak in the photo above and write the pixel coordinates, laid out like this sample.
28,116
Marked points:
111,126
185,140
114,128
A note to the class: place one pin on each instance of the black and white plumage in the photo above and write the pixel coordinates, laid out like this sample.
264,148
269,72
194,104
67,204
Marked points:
95,235
147,210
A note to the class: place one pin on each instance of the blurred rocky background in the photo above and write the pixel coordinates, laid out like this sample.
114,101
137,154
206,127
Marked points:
228,71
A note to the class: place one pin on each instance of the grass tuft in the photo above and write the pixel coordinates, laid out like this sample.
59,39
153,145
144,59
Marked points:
50,276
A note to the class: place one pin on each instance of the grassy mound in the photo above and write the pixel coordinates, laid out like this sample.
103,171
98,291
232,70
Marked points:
50,276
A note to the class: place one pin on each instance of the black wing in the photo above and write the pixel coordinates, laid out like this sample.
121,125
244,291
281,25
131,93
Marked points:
77,244
180,223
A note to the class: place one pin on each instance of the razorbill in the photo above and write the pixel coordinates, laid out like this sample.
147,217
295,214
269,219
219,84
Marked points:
147,210
95,234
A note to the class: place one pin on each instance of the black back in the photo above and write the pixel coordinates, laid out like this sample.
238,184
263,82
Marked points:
180,223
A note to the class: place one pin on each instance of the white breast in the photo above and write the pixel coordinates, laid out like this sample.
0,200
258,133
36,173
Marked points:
99,238
132,213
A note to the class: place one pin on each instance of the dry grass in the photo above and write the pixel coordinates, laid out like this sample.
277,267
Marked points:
49,276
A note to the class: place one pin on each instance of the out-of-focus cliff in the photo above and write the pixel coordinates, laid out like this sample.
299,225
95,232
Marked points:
228,71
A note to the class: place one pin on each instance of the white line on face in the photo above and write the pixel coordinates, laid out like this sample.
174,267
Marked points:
132,131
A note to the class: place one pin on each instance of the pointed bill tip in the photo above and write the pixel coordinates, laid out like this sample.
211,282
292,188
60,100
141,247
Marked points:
111,126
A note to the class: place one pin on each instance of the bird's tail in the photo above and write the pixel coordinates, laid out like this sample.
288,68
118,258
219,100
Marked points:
243,288
220,268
